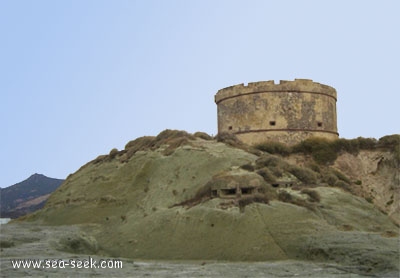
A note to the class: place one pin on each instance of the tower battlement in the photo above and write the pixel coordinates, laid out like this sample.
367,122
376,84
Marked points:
288,112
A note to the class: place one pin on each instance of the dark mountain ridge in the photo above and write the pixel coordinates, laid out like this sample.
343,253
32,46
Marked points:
26,196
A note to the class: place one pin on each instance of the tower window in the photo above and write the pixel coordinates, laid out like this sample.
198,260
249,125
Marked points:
230,127
272,123
319,124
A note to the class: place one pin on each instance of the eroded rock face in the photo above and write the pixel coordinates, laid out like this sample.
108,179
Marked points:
377,177
133,201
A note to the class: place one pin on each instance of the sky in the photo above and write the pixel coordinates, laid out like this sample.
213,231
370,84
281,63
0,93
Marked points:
78,78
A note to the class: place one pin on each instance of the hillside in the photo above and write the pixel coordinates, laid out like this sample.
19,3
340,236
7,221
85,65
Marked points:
27,196
183,196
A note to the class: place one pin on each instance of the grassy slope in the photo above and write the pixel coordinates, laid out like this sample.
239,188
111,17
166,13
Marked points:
130,203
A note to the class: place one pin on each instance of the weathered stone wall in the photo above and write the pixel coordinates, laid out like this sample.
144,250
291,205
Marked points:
287,112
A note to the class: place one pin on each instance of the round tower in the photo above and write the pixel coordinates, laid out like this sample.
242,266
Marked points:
288,112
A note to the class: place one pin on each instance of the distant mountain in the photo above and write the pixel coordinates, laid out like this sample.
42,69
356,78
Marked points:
26,196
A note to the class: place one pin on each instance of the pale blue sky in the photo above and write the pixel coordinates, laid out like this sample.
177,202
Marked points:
80,77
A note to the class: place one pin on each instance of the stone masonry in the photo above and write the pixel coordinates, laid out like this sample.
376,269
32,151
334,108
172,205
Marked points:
288,112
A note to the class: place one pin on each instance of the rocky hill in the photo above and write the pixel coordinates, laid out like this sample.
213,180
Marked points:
183,196
27,196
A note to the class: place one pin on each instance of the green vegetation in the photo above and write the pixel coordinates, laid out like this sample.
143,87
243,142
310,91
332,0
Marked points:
325,151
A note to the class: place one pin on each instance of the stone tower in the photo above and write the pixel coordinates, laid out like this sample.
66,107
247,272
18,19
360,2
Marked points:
288,112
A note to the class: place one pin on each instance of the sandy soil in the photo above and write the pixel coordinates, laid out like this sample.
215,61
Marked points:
33,241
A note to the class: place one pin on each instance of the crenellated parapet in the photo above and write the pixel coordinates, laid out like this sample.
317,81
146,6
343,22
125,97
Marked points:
287,112
298,85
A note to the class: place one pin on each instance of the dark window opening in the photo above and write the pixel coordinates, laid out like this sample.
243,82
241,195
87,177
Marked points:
275,184
231,191
319,124
230,127
247,190
272,123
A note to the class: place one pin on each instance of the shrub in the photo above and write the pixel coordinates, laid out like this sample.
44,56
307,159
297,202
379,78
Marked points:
274,148
277,171
174,143
257,198
389,141
202,195
340,175
314,195
140,144
366,143
343,185
113,153
322,150
202,135
325,156
330,179
100,158
248,167
172,138
350,146
168,134
4,243
325,151
314,167
369,199
269,161
303,174
228,138
284,196
267,175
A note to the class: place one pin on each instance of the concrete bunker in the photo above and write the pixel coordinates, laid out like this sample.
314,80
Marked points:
227,193
236,186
